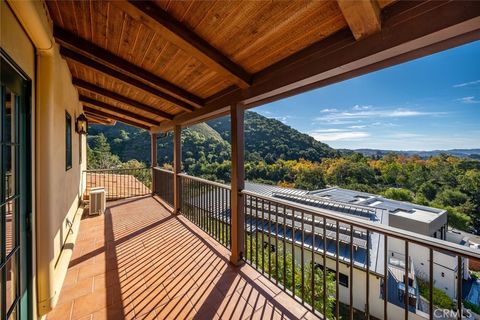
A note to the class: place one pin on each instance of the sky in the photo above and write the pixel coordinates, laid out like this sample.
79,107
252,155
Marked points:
430,103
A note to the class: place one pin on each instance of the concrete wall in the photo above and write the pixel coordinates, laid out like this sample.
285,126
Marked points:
26,36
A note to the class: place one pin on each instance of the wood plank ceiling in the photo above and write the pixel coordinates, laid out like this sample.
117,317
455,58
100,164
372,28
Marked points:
147,62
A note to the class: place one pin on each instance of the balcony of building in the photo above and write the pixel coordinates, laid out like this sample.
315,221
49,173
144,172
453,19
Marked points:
138,261
141,260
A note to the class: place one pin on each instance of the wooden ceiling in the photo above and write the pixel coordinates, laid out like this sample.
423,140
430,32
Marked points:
152,64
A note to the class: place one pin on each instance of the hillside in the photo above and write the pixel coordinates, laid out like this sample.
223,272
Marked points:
265,138
461,153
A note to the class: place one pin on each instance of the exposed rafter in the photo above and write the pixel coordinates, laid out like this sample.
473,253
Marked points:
363,17
100,119
91,111
120,111
175,32
79,83
412,30
90,63
75,43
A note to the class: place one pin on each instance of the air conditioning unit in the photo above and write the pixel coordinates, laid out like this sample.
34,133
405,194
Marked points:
97,201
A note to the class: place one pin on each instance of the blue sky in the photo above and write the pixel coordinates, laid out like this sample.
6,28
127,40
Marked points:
425,104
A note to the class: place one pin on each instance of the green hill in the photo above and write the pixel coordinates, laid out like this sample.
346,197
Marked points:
265,139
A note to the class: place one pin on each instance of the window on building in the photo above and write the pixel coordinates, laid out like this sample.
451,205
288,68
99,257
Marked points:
68,141
343,280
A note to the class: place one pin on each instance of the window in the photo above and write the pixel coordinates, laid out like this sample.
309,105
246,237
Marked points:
343,279
68,141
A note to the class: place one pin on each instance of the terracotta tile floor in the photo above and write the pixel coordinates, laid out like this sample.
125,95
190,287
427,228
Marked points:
139,262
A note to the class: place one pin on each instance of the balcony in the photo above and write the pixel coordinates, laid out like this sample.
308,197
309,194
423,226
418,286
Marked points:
140,260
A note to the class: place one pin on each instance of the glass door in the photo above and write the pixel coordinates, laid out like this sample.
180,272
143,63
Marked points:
15,207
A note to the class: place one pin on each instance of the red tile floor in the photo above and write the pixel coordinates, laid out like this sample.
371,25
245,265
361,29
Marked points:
139,262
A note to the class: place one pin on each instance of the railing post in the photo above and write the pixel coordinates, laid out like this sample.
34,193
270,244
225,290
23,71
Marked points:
153,147
177,167
237,113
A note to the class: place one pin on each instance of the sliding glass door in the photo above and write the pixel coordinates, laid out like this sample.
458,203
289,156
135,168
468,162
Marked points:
15,204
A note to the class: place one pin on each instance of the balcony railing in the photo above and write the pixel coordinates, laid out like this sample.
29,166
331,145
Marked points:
335,264
119,183
163,184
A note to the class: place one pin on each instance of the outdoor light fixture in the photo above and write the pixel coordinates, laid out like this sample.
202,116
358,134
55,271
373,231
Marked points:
82,124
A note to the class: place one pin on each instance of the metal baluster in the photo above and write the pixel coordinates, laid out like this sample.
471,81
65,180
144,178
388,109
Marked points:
293,251
430,286
269,239
325,267
312,284
367,305
459,287
385,279
337,272
276,243
302,266
352,264
284,247
405,280
256,232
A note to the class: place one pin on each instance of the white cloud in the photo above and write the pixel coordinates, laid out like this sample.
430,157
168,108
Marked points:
372,114
357,127
328,110
470,83
358,107
338,135
468,100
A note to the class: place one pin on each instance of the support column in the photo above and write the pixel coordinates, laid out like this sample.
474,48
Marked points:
177,167
153,155
237,113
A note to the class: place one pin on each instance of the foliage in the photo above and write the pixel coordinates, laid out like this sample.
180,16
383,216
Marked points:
472,306
279,155
440,298
398,194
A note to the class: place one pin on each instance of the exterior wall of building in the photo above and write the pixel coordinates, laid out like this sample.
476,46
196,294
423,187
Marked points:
358,285
444,268
27,37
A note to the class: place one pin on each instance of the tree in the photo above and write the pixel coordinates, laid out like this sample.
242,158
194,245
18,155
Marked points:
428,190
99,155
398,194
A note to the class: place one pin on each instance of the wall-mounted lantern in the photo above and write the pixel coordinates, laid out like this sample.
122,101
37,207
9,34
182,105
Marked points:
82,124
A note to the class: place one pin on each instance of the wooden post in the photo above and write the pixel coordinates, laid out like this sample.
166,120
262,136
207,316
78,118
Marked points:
177,167
238,184
153,151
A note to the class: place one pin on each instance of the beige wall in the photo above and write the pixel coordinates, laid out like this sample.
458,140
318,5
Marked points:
26,33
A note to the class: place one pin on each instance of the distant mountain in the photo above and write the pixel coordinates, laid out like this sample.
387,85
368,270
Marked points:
462,153
265,139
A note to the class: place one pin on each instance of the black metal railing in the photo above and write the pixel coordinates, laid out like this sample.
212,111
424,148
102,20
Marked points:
119,183
341,265
339,260
207,204
163,184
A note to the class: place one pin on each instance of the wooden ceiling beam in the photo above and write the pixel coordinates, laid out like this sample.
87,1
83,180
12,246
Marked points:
92,111
79,83
411,29
123,112
97,66
75,43
100,119
363,17
175,32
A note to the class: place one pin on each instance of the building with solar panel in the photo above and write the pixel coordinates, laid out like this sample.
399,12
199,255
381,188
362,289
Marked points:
268,223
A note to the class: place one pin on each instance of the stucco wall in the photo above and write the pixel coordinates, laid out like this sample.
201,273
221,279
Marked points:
25,34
